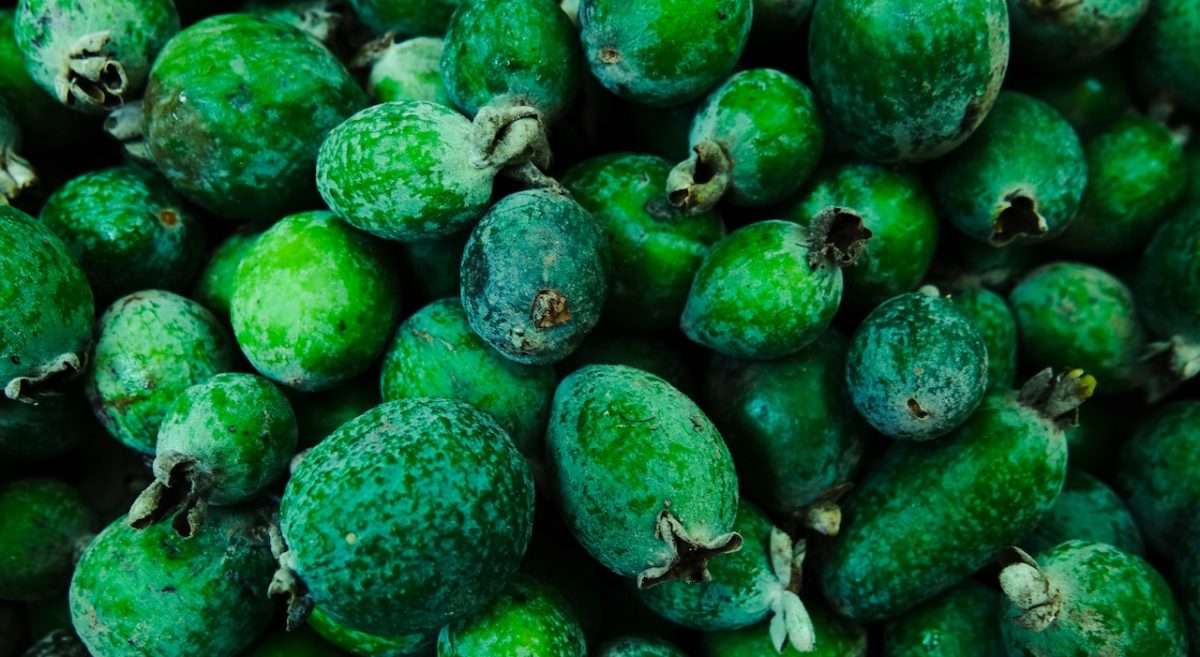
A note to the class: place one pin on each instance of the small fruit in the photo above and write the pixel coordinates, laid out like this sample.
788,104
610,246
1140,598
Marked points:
409,70
371,645
1166,63
1155,473
528,618
43,525
1063,34
994,319
1088,510
1167,289
959,623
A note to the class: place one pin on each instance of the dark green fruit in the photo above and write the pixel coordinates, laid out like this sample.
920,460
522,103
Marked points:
214,287
1168,295
528,618
834,636
1166,63
370,645
1087,510
43,525
959,623
1187,581
49,428
639,646
43,120
1063,34
319,414
409,70
432,268
990,314
300,643
1090,98
1156,473
408,17
657,355
319,19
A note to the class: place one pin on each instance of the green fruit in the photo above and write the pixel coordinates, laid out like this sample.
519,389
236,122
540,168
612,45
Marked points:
319,19
1063,34
1090,98
214,287
528,618
370,645
959,623
1156,473
300,643
409,70
1086,510
43,524
969,262
432,267
236,109
1166,62
153,593
41,431
835,636
43,120
16,174
639,646
656,355
319,414
151,346
1168,295
663,52
990,314
642,477
1020,178
413,514
907,80
408,17
315,301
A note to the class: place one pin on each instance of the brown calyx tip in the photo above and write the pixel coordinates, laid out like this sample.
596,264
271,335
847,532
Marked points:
610,55
691,556
287,583
183,491
838,237
1018,218
1168,364
45,379
168,217
1057,397
550,308
914,409
699,182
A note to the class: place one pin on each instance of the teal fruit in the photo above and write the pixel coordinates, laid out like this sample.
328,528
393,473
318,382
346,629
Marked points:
834,636
907,80
1064,34
16,174
315,301
408,17
319,19
917,367
409,70
959,623
370,645
1090,97
153,593
432,268
1166,63
770,288
663,52
414,514
214,286
236,109
528,618
151,346
655,249
639,646
43,120
319,414
43,524
94,56
1088,510
41,431
657,355
994,319
1167,288
1020,178
535,276
1085,598
641,476
1155,473
302,642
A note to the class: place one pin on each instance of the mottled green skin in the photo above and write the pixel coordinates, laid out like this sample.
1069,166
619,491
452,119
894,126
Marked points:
1025,148
907,80
152,593
1088,510
898,210
930,514
487,62
408,17
315,301
236,109
128,230
1089,98
370,645
435,354
639,646
214,286
755,295
302,642
1186,581
1113,604
789,423
990,314
50,428
413,514
529,618
319,414
1168,279
959,623
1166,62
654,247
1076,34
835,637
663,52
42,521
531,244
777,21
43,120
1156,473
151,346
433,267
624,446
409,70
917,367
1075,315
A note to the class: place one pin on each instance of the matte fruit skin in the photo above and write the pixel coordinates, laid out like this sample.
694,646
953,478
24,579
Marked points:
654,247
42,524
1089,98
925,518
315,301
152,593
664,52
1166,61
991,315
1168,279
1156,473
835,637
435,354
214,286
407,17
236,109
319,414
365,516
409,70
535,276
959,623
370,645
907,80
1067,34
1087,510
657,355
528,618
152,345
639,646
916,367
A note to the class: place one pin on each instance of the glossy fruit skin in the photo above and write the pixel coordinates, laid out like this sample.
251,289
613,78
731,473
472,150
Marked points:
907,80
370,645
151,346
931,500
299,643
1168,278
528,618
1166,62
1088,510
236,109
502,280
42,524
991,315
654,247
835,637
639,646
319,414
1065,35
214,286
959,623
1089,98
664,52
153,593
1155,473
367,532
409,70
315,301
407,17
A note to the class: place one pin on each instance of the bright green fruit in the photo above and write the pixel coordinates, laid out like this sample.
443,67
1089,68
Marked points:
409,70
214,287
528,618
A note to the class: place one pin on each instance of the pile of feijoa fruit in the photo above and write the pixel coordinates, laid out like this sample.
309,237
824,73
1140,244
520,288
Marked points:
622,328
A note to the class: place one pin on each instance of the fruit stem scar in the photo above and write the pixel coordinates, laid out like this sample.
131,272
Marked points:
90,77
1018,216
690,556
837,237
1030,591
550,308
699,182
914,408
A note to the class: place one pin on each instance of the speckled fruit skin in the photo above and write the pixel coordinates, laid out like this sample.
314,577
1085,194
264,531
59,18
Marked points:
916,367
1075,315
409,70
1089,98
1089,510
152,593
319,414
930,514
991,315
414,514
835,637
47,323
486,63
663,52
298,643
959,623
152,345
409,17
1168,278
439,187
639,646
236,109
1024,159
214,286
128,230
654,247
1156,473
1163,50
625,449
528,618
315,301
535,276
435,354
51,33
1063,34
370,645
1113,603
789,423
42,523
43,120
1186,581
907,80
